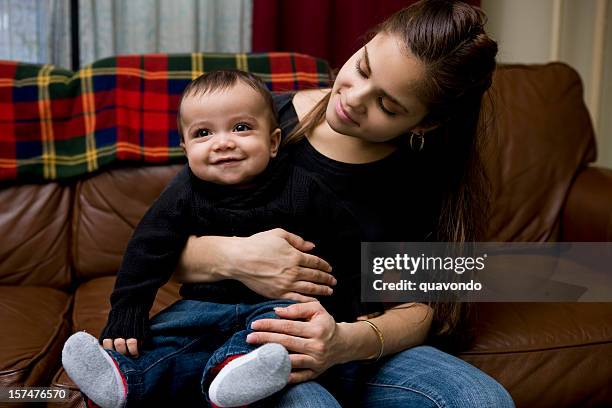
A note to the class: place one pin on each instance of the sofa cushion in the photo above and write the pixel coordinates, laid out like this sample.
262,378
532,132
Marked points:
108,208
540,136
555,352
92,303
73,397
91,307
34,245
35,323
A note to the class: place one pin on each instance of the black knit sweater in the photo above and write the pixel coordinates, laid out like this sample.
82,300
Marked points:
283,196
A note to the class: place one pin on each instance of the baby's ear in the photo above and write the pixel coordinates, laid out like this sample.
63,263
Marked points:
275,139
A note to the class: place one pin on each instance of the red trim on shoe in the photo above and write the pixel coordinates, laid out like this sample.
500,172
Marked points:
215,370
122,376
90,403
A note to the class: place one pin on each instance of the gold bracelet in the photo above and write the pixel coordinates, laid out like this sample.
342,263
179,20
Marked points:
380,338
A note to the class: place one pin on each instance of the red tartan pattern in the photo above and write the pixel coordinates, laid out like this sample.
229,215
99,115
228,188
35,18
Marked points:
58,124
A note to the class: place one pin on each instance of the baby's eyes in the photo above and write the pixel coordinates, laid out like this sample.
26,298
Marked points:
242,127
239,127
202,133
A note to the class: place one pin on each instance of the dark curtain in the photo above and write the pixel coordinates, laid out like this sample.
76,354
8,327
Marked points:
329,29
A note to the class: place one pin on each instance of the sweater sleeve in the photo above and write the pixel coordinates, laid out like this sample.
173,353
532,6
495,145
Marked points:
149,260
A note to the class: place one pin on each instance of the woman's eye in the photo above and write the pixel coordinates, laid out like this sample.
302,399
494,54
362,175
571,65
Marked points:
202,133
241,127
360,71
381,105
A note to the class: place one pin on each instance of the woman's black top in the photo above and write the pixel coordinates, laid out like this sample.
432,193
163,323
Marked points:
385,200
391,198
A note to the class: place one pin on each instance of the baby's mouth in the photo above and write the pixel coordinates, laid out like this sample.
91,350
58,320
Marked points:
227,160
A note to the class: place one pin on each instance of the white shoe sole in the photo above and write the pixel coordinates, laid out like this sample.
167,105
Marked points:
225,378
90,386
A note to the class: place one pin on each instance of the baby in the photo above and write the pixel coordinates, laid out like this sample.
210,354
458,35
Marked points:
236,183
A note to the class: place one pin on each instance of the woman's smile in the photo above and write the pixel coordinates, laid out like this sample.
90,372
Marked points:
343,114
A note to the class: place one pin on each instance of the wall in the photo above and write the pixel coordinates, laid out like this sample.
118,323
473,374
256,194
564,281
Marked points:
576,32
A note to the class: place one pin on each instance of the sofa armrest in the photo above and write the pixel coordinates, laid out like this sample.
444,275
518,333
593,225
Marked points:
587,214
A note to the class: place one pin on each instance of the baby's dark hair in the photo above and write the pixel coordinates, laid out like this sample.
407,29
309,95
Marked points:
222,80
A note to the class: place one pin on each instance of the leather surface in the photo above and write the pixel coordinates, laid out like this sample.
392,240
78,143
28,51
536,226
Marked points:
587,215
518,327
91,307
34,220
34,323
107,209
540,135
62,381
92,303
546,354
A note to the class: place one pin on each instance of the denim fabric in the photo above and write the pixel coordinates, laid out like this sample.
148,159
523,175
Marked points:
187,339
309,394
418,377
190,337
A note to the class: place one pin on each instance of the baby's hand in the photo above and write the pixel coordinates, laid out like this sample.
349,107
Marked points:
127,348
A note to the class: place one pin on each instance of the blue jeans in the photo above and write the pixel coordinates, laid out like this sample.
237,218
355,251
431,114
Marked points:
187,340
190,337
420,377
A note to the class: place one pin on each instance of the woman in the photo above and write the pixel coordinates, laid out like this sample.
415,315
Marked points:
404,107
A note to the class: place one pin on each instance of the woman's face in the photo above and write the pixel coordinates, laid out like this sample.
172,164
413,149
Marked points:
373,97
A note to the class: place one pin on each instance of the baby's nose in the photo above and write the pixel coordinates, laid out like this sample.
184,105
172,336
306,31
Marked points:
224,142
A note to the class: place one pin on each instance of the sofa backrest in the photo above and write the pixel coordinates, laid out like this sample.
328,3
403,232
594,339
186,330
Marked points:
107,208
35,235
541,137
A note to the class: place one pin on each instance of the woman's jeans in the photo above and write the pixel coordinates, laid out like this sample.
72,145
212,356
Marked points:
190,337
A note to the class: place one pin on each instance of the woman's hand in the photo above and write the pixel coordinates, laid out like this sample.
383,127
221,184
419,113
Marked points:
127,347
316,342
272,263
280,270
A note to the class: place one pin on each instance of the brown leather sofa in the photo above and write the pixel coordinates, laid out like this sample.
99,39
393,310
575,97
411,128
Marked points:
63,243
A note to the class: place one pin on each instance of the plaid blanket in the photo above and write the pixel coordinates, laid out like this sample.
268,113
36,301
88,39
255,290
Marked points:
58,124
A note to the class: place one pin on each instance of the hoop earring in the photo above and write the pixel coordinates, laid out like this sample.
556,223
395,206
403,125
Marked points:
417,141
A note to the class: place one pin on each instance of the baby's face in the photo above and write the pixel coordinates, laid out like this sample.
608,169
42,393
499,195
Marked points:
227,135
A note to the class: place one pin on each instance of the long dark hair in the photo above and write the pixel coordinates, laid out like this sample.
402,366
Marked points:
449,39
